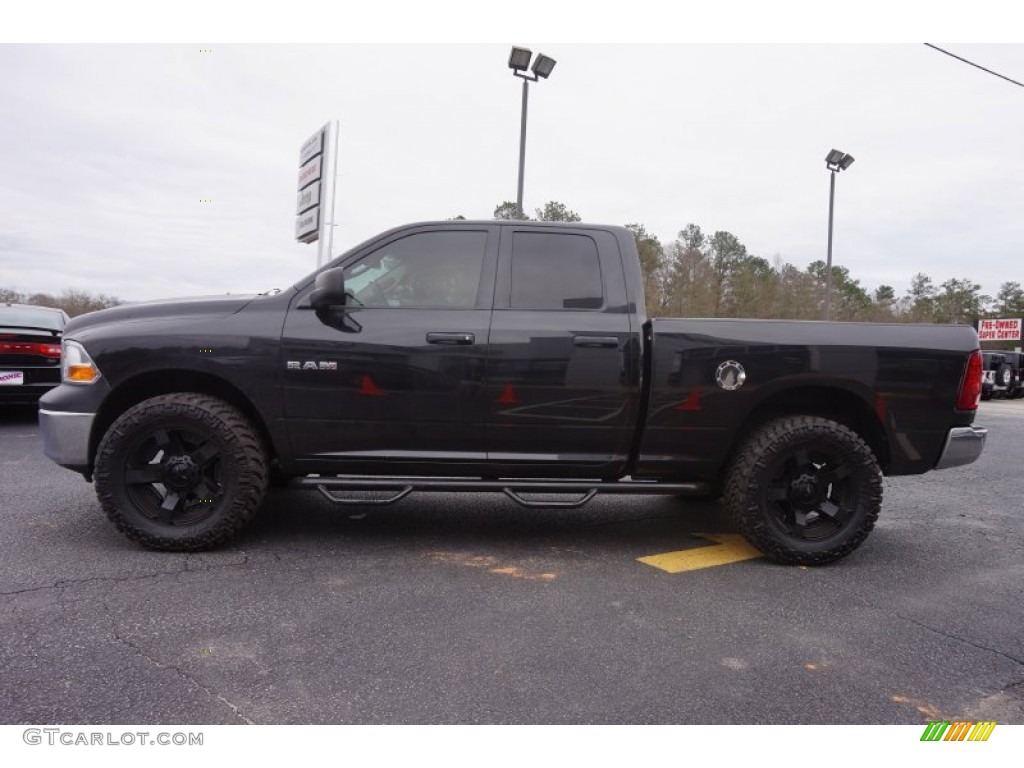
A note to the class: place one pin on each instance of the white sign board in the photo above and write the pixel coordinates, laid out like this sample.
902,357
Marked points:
312,146
307,226
309,197
999,329
310,172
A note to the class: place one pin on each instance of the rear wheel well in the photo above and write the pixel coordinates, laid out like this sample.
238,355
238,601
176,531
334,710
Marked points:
839,405
155,383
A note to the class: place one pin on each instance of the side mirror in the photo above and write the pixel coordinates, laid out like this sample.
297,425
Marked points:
329,289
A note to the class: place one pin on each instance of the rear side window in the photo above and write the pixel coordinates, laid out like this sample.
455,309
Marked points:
555,271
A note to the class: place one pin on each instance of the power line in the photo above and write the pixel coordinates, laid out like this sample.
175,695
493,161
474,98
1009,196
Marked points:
965,61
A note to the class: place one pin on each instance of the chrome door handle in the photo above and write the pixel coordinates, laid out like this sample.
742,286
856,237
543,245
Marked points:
595,341
450,338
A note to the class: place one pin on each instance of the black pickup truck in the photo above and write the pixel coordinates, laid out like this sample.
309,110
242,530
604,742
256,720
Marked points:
508,356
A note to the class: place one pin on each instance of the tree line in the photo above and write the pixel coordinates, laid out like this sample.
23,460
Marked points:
701,274
72,301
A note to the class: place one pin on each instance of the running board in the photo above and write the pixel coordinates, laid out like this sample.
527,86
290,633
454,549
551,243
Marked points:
401,487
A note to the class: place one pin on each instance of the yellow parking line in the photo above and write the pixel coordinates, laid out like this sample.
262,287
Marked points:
728,548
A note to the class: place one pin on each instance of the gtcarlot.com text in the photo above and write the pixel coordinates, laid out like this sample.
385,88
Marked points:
68,738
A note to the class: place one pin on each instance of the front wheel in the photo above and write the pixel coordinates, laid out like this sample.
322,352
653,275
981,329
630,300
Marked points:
804,490
181,472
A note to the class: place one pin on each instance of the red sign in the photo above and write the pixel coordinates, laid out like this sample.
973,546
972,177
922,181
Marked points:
999,330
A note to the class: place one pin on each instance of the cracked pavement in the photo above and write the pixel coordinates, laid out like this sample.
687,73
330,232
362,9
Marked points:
469,609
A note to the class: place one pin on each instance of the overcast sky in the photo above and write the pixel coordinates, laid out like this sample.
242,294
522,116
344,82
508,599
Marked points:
106,152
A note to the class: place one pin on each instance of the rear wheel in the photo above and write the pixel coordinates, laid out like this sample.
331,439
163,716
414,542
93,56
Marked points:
181,472
804,490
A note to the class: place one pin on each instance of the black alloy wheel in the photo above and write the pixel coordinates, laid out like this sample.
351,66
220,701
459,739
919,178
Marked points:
812,493
173,474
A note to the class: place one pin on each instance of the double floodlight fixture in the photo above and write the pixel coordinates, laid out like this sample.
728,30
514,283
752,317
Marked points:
519,62
838,161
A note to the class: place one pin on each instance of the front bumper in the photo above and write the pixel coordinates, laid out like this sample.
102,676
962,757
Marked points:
66,437
963,446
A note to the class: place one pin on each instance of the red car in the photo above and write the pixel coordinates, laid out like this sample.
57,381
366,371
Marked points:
30,345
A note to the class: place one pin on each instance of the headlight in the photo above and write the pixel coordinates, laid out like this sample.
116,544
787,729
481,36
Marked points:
76,365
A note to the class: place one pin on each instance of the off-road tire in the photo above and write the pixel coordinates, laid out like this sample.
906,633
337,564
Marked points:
809,468
235,477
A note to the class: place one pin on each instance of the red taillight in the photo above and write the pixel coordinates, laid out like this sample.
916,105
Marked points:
30,348
970,386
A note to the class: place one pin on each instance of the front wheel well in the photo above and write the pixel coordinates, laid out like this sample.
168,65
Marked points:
838,405
153,383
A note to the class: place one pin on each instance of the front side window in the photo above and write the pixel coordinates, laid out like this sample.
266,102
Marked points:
428,270
555,271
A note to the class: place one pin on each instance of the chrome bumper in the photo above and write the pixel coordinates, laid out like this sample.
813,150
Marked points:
66,437
963,446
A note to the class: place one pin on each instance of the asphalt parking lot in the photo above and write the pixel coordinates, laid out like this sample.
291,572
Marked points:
469,609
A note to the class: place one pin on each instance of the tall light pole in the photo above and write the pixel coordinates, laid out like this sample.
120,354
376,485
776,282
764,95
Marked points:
518,62
835,161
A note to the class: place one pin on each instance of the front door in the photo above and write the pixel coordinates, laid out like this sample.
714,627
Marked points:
398,373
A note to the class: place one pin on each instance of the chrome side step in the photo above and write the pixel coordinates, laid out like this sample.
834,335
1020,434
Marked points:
584,490
536,504
360,501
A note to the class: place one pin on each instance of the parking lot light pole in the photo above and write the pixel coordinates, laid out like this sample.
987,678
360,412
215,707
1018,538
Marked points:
835,161
518,62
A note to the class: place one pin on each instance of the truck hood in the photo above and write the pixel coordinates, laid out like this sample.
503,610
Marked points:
186,309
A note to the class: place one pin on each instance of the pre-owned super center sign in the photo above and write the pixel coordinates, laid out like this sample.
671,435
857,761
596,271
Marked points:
999,330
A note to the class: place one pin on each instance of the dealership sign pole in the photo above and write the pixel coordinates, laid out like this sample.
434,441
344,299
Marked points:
316,198
334,186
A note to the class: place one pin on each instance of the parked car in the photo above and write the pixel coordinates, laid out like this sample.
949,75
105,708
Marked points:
30,351
502,356
997,374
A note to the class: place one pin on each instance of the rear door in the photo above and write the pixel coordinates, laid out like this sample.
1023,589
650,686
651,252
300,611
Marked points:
562,390
393,382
